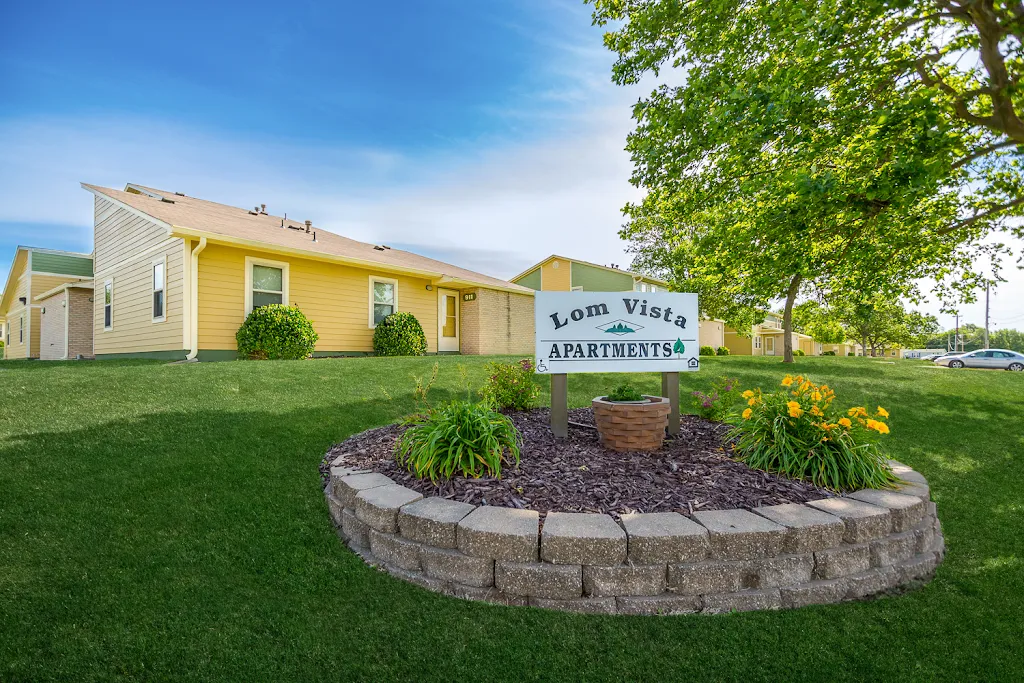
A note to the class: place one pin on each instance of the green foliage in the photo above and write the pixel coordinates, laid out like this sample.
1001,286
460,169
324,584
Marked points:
797,432
510,386
717,403
722,351
276,332
798,352
707,350
458,439
624,393
399,334
884,324
818,142
828,353
820,321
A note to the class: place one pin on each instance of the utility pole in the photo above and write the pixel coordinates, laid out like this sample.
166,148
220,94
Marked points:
956,336
986,314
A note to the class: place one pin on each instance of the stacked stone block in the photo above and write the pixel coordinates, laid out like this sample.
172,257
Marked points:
780,556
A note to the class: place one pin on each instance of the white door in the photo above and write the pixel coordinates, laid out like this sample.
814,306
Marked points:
447,320
769,345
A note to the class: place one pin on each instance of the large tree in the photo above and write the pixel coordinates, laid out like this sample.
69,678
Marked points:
796,156
885,324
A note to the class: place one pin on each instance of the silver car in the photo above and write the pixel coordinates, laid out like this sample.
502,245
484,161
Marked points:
995,359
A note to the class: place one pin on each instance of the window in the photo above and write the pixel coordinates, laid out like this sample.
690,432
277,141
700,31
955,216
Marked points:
21,329
159,268
383,299
638,286
108,305
757,341
266,282
654,288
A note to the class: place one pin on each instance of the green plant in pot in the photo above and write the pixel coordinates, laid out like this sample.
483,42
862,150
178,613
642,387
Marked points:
628,420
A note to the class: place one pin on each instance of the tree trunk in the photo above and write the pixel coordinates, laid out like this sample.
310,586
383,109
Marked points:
864,346
787,319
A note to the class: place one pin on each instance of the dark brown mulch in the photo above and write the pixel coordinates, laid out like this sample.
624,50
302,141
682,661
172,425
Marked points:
690,472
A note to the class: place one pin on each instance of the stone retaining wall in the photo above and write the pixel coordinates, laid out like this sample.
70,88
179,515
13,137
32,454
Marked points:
781,556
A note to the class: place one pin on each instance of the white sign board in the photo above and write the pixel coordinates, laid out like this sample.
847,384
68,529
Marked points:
616,332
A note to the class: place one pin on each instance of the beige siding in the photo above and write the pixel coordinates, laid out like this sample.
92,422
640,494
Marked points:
133,328
124,251
712,333
15,349
118,234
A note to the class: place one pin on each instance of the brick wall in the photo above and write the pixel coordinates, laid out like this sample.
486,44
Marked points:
497,323
80,323
51,327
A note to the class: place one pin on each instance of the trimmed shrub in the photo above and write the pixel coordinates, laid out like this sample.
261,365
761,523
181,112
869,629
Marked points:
722,351
707,350
798,352
850,353
399,334
828,353
510,386
276,332
459,438
798,433
624,393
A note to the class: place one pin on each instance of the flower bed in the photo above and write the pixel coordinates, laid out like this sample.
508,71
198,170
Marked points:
770,556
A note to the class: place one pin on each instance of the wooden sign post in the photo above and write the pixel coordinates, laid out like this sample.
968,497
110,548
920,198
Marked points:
670,388
560,405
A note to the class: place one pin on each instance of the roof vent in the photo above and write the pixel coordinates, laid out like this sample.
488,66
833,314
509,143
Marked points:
378,247
263,209
180,194
314,235
165,200
309,224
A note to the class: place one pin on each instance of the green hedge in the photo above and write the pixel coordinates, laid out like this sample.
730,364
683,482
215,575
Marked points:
722,351
707,350
399,334
276,332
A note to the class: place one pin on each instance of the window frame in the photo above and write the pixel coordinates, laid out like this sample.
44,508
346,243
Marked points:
374,279
162,261
283,266
108,283
757,341
21,328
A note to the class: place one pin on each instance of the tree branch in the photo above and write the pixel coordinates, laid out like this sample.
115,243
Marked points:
981,216
984,151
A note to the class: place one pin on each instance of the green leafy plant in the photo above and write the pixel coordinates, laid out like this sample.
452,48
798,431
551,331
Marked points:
399,334
624,393
722,351
510,386
798,352
797,432
828,353
459,438
707,350
718,401
276,332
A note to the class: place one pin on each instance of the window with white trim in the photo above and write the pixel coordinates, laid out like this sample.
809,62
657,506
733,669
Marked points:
21,329
266,282
383,299
108,305
159,286
757,341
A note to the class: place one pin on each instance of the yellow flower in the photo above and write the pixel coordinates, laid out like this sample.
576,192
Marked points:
805,386
816,396
747,413
752,402
787,381
747,394
845,421
882,428
883,412
794,409
851,412
792,404
816,411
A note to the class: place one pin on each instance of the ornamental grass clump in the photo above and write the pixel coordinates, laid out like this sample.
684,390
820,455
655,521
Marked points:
459,438
799,433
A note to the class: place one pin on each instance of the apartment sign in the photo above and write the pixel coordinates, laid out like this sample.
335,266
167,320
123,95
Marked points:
616,332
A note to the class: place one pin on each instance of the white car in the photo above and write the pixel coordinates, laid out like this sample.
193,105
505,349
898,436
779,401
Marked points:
995,359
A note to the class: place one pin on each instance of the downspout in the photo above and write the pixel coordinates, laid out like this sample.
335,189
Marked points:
194,295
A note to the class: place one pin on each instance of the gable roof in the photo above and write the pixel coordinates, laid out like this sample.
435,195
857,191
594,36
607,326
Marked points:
184,216
8,292
635,276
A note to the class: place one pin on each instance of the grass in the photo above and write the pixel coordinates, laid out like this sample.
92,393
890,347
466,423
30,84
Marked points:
165,522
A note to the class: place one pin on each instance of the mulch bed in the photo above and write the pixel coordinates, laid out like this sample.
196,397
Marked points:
690,472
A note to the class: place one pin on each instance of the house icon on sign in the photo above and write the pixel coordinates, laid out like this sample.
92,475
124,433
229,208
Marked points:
693,363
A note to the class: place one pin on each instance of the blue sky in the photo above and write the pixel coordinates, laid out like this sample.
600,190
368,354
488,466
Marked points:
486,134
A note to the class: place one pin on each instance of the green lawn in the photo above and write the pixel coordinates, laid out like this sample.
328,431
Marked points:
166,522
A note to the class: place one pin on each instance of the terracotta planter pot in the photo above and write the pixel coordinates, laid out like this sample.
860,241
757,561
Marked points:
634,425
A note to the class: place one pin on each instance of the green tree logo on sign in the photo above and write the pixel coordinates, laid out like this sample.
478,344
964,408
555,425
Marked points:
679,347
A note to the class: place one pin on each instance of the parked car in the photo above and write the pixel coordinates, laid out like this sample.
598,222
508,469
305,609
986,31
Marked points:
947,354
996,359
